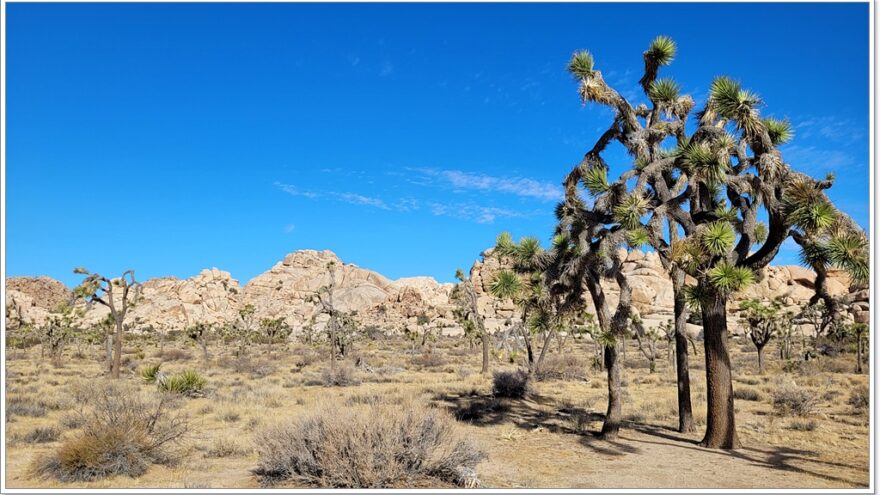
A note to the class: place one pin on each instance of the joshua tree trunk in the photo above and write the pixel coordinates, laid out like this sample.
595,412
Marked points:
117,348
108,349
685,412
544,347
760,349
611,425
484,337
859,354
720,419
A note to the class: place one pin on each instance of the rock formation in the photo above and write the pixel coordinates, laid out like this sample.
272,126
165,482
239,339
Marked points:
285,290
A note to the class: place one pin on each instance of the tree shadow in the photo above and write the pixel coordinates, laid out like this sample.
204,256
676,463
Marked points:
488,410
778,458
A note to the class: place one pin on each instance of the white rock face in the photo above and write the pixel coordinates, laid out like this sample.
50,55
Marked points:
286,289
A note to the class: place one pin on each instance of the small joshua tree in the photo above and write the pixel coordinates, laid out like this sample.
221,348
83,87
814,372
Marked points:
118,295
58,330
274,330
323,297
647,339
464,296
244,327
201,333
762,322
860,330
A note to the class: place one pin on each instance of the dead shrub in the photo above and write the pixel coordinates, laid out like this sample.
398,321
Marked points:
565,367
860,398
18,405
173,355
342,376
225,447
510,384
789,398
123,432
42,434
378,446
802,425
428,360
746,394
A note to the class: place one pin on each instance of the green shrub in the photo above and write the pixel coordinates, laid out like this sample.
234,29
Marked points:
188,383
149,372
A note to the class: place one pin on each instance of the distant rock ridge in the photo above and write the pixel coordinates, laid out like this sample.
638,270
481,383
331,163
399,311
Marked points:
285,290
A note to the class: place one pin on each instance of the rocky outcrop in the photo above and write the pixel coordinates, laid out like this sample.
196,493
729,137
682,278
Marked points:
286,291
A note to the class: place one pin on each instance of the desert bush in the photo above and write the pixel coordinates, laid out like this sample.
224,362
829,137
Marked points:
565,367
342,376
189,383
428,360
803,425
42,434
173,355
225,447
149,372
123,432
789,398
510,384
18,405
746,394
377,446
860,398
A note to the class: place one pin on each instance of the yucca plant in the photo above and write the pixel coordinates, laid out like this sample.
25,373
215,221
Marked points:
189,383
149,372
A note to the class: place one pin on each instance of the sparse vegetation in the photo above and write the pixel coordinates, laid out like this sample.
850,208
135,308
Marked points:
373,447
789,398
189,383
510,384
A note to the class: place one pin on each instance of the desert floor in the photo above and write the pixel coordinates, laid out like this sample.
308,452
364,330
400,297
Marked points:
544,440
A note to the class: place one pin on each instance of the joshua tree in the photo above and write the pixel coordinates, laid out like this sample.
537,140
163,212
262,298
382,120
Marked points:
119,295
860,330
201,333
346,332
468,313
713,186
58,331
762,322
244,327
275,330
647,339
324,298
523,285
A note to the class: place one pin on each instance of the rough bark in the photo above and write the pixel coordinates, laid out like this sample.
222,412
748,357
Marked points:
484,337
611,425
685,410
720,419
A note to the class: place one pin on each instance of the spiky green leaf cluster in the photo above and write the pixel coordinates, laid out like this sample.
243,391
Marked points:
506,285
596,180
664,91
630,211
780,131
702,161
734,103
662,50
581,64
728,278
504,244
718,238
761,233
637,238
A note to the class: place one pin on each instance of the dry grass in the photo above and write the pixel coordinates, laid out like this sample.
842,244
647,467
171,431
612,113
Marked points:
827,449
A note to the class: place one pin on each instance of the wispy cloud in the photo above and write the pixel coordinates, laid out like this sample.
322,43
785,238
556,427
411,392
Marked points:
519,186
814,160
359,199
830,128
295,191
386,69
473,212
289,228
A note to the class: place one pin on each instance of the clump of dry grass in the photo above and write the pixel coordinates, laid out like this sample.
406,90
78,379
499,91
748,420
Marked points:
20,405
225,447
746,394
173,355
42,434
123,432
860,398
428,360
789,398
563,367
377,446
342,376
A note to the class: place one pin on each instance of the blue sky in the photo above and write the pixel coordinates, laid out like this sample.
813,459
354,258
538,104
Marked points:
174,137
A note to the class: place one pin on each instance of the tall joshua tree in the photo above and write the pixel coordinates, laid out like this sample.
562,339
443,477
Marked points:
713,186
118,295
324,298
465,297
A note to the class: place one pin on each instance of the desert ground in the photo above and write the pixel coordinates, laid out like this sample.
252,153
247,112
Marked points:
546,439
